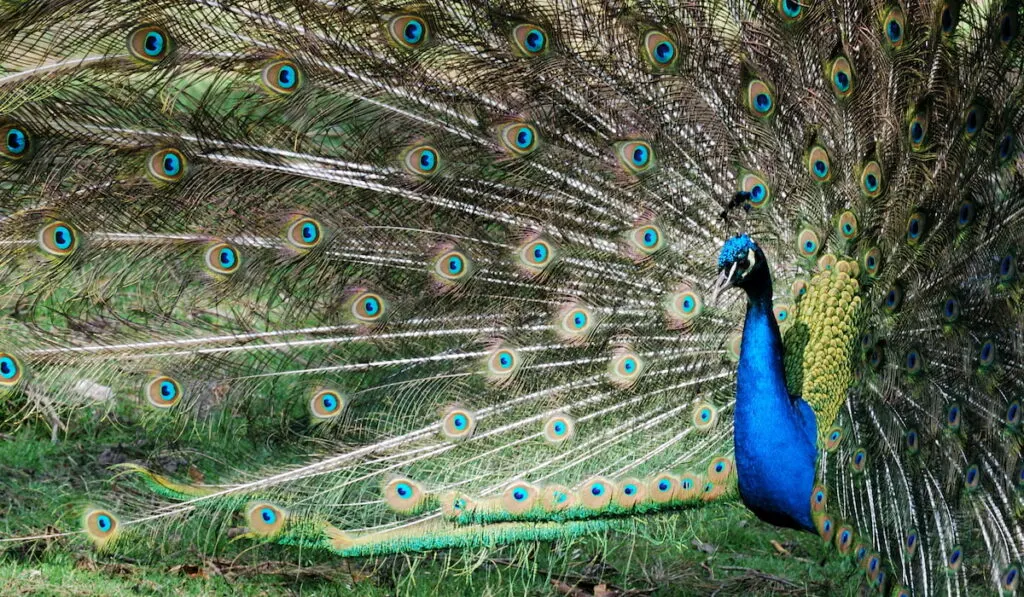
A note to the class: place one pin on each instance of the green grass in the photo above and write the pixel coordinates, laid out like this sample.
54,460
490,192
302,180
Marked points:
721,549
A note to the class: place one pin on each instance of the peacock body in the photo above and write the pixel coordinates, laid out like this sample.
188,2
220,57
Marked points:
463,256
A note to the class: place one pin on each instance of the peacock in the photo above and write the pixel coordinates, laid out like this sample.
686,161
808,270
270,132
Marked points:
512,271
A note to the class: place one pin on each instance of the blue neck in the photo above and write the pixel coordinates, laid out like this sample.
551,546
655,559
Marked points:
775,434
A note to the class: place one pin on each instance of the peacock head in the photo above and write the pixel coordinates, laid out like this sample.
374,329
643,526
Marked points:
741,264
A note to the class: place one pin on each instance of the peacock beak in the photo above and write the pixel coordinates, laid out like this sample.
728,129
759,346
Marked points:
724,282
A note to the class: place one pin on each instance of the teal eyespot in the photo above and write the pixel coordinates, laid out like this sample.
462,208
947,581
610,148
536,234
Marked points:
760,98
841,77
916,225
1007,268
818,164
1013,414
282,77
422,160
16,142
790,9
893,299
10,370
965,214
807,243
458,424
167,166
502,363
559,428
576,323
101,526
972,477
149,44
647,239
408,31
974,120
304,233
953,417
917,130
368,307
955,560
913,362
530,41
911,438
987,354
1008,26
1006,146
895,25
704,416
265,520
636,157
452,266
326,404
163,392
659,50
58,239
871,182
519,138
222,258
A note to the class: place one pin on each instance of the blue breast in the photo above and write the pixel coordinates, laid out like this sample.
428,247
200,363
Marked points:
775,434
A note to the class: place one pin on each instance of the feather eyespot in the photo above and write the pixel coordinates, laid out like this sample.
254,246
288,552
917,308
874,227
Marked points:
519,497
1013,413
530,41
859,460
1008,26
719,469
636,157
704,416
58,239
408,31
965,214
833,439
422,160
955,559
222,258
149,43
559,428
536,255
893,298
826,527
972,477
458,424
662,488
987,354
368,307
502,364
913,362
807,243
452,266
818,164
841,77
101,526
647,239
625,369
791,10
1010,579
282,77
917,131
872,261
798,289
871,183
519,138
167,166
682,306
895,27
953,417
163,392
819,499
912,440
947,20
844,539
597,493
326,404
659,50
631,492
756,188
974,120
846,227
782,313
265,520
951,310
1006,146
760,99
404,495
17,142
1007,268
575,323
10,370
916,226
304,233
